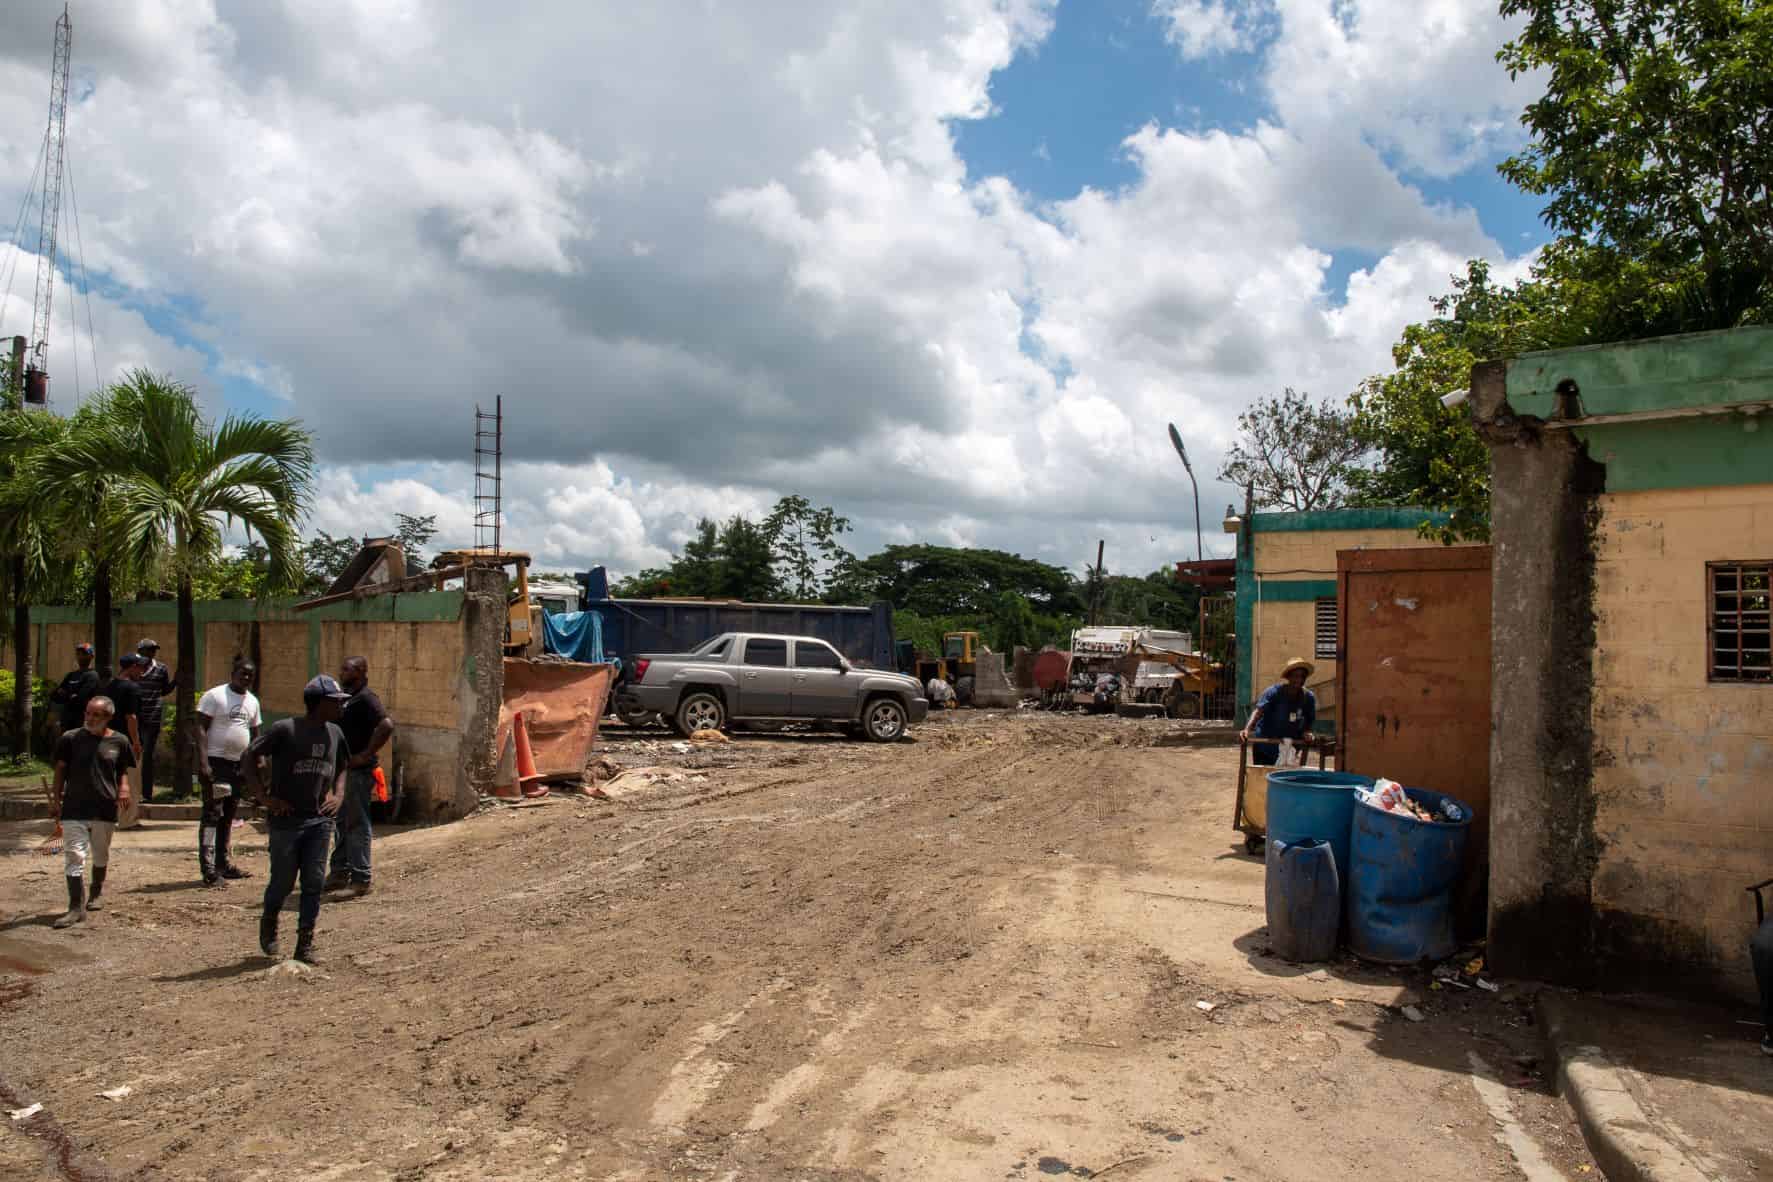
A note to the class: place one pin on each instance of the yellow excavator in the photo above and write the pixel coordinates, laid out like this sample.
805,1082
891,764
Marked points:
956,665
1196,677
519,630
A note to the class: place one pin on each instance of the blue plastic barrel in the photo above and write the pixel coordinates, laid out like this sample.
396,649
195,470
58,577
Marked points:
1304,802
1400,882
1303,894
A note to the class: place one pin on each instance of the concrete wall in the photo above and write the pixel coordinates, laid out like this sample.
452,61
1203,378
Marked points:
1683,811
434,658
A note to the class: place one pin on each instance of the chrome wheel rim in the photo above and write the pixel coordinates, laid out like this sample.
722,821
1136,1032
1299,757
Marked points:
883,721
703,716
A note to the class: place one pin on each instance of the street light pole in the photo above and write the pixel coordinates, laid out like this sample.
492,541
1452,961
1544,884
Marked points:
1200,552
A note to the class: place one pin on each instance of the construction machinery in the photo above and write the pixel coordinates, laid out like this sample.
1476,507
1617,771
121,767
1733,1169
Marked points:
1196,677
957,664
520,629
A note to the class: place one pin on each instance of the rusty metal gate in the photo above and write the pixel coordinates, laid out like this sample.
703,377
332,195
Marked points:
1413,678
1218,642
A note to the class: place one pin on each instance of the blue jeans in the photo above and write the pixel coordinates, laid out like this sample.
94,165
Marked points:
351,850
298,845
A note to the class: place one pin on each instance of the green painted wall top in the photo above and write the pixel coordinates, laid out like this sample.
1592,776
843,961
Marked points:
1663,373
414,607
1379,517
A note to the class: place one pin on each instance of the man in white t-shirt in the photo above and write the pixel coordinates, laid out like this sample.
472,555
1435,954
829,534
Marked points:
229,718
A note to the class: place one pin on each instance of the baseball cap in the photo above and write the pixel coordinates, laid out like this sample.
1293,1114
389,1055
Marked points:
147,642
83,648
130,660
324,687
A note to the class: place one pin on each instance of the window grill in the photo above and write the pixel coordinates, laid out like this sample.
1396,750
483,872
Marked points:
1741,638
1327,622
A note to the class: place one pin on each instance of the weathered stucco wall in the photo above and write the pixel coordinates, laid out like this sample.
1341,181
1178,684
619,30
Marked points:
1683,809
435,659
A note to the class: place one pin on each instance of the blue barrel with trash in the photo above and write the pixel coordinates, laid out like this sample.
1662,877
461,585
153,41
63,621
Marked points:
1401,877
1305,802
1303,897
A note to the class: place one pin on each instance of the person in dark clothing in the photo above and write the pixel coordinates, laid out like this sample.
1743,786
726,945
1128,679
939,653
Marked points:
91,784
307,786
1760,954
153,682
228,718
1286,710
75,688
127,702
367,730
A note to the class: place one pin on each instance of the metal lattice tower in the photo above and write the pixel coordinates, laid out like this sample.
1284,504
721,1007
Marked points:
489,445
54,150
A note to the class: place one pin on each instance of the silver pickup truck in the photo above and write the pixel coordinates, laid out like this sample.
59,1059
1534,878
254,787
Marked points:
746,677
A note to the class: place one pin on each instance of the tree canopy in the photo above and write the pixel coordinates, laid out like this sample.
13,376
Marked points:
1293,453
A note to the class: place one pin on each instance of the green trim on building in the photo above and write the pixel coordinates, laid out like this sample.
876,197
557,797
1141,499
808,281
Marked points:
1245,607
1682,453
409,607
1379,517
1662,373
1295,590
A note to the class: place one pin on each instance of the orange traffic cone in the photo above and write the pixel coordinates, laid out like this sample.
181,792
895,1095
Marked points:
527,775
505,775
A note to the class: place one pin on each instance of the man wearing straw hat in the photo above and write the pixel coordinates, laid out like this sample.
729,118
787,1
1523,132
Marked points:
1286,710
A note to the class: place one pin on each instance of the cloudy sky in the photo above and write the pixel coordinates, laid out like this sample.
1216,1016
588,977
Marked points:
947,265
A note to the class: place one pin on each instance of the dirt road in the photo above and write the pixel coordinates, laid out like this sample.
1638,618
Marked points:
980,954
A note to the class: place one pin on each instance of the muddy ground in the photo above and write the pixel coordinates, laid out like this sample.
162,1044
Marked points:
981,953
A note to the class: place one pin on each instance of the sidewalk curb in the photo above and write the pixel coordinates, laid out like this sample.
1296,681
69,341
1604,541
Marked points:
1624,1140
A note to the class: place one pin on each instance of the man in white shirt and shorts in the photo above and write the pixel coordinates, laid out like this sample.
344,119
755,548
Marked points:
229,718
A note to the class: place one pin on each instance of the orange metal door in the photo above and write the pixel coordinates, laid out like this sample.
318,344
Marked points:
1413,672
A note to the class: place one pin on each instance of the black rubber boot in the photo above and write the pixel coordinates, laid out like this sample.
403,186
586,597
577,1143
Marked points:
76,904
305,946
98,884
268,934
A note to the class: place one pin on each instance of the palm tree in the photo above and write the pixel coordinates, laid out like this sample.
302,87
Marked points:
27,537
176,481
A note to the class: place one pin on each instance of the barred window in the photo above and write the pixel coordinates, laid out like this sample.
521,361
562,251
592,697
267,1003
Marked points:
1326,630
1741,621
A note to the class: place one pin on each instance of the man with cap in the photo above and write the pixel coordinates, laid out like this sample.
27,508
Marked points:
127,702
228,717
75,688
367,730
92,764
153,682
1286,710
307,786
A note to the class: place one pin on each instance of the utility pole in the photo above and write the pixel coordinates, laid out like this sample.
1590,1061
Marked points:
1200,551
1098,584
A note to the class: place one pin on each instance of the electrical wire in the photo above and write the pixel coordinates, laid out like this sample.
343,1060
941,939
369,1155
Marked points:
18,230
73,334
85,276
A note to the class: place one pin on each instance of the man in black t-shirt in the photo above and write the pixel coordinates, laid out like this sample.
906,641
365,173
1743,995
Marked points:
307,757
75,688
367,729
126,698
153,682
91,784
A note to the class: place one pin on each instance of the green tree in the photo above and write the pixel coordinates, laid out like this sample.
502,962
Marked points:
746,568
1652,143
1295,453
178,480
804,541
28,540
944,580
1013,623
415,533
1428,455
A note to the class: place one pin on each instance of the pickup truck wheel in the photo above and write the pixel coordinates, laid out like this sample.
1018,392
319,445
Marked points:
700,712
884,720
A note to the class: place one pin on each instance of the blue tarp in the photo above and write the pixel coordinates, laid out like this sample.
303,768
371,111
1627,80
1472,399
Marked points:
577,636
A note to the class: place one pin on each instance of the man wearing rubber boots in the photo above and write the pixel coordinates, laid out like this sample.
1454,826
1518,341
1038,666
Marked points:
367,730
228,717
92,765
1286,710
307,757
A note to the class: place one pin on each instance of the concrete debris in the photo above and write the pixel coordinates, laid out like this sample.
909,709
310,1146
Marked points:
25,1113
1205,1007
1412,1013
117,1093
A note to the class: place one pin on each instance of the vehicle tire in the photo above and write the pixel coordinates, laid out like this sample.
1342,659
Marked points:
883,720
963,691
637,718
701,711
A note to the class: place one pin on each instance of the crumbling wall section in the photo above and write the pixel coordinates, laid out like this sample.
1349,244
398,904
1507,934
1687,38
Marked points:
1542,802
483,683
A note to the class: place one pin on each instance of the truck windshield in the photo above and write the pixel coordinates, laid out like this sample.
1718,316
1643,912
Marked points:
713,647
954,646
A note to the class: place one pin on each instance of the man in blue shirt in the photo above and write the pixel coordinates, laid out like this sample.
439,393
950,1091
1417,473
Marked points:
1286,710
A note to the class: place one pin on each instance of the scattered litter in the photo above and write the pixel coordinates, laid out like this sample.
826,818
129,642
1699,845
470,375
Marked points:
117,1093
1488,986
1336,1001
681,748
289,968
708,736
25,1113
1412,1013
1389,796
1205,1007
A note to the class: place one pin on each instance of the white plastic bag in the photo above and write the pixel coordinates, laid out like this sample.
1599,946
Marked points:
1290,756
